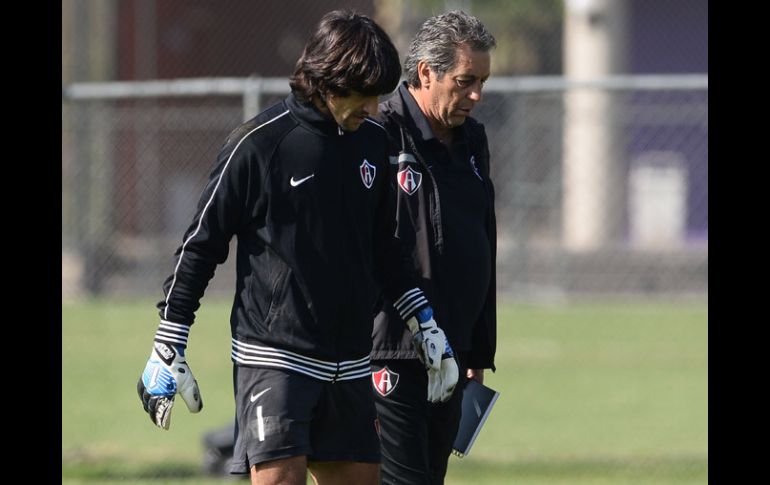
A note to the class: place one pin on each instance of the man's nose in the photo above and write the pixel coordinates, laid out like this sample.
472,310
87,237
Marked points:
475,92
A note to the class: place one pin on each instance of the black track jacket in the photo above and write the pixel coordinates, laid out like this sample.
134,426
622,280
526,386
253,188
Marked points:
422,226
310,208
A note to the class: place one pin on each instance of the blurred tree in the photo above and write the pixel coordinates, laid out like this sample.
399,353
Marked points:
528,32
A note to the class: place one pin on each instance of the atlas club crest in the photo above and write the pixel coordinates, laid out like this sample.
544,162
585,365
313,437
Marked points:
384,381
409,180
368,172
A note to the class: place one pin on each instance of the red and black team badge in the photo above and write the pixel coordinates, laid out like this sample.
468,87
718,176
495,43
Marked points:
368,172
384,381
409,180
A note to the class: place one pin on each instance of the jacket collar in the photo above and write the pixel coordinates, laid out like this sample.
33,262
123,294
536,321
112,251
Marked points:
423,129
311,118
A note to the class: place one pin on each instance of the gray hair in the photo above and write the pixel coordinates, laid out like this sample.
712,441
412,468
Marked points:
437,41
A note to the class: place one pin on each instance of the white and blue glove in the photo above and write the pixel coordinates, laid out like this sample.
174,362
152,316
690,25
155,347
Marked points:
436,354
165,375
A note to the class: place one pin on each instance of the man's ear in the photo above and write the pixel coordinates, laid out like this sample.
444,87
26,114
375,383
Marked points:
423,72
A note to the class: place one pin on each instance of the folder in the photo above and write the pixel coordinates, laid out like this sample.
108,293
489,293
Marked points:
477,403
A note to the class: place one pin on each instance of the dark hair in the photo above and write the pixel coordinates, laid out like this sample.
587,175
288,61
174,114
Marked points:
438,39
347,52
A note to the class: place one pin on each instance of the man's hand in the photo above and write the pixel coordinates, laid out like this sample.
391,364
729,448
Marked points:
428,339
436,354
442,382
165,374
475,375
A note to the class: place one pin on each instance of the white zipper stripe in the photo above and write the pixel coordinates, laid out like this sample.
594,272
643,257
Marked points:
363,374
245,349
245,359
361,361
283,365
354,374
329,371
277,359
277,356
205,208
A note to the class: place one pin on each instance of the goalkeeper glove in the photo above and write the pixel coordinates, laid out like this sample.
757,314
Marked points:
436,354
165,374
442,382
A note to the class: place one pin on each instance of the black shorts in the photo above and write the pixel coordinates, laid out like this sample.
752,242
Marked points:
281,414
417,436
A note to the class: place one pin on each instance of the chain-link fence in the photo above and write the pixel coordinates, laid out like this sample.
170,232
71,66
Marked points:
602,186
597,118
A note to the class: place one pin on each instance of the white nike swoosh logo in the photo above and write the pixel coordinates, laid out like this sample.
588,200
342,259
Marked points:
294,183
254,397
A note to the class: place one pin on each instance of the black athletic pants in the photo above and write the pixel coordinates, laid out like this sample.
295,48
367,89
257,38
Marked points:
416,436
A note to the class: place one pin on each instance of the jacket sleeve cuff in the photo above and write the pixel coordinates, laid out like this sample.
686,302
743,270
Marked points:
410,303
171,333
481,363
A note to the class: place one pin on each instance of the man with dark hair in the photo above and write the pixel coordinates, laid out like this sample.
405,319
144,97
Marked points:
445,214
303,186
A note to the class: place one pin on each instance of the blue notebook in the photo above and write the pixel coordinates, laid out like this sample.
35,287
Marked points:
477,403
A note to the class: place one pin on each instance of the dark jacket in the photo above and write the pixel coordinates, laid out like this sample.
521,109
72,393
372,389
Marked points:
309,206
423,227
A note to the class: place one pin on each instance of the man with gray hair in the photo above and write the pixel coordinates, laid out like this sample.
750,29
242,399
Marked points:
445,212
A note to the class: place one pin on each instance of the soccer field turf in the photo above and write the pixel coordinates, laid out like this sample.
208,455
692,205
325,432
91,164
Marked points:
590,394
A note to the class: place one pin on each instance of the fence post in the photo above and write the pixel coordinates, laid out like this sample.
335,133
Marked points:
251,98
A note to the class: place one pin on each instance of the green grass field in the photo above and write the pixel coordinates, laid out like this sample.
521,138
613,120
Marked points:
590,394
